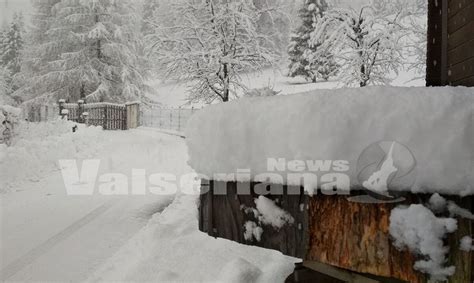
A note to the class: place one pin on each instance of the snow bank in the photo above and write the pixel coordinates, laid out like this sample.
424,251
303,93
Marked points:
37,147
435,124
13,112
240,270
172,249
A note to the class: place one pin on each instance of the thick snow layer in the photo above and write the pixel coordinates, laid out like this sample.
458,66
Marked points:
37,147
419,230
435,124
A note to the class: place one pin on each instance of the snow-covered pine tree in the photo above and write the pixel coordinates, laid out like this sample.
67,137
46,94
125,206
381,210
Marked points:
5,85
365,41
211,43
38,51
96,43
303,58
12,44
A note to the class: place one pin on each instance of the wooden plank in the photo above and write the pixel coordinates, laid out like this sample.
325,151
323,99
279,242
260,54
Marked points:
462,18
455,6
224,215
464,82
355,236
338,273
444,42
461,53
461,36
462,260
433,59
461,70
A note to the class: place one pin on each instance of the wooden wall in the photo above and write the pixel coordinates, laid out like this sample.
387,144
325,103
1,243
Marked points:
329,230
450,57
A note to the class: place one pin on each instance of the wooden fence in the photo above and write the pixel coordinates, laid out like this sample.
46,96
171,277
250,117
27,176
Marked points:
113,116
40,112
110,116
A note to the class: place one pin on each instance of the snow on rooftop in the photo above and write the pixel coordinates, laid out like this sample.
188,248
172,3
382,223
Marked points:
434,124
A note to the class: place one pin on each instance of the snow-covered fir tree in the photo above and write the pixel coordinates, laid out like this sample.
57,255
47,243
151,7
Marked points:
90,52
211,43
5,85
304,61
11,44
366,42
37,51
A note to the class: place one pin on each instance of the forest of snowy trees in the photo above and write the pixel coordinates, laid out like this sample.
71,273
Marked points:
109,50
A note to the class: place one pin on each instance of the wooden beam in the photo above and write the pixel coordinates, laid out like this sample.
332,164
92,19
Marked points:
338,273
444,42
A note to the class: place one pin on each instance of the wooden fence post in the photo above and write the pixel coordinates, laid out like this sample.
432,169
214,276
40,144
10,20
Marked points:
132,115
61,106
104,118
80,111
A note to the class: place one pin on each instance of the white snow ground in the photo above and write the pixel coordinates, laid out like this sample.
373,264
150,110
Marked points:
47,235
172,94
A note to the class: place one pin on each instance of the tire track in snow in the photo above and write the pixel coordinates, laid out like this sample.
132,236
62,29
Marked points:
37,252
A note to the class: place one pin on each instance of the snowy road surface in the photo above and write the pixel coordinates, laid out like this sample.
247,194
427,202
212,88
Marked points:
47,235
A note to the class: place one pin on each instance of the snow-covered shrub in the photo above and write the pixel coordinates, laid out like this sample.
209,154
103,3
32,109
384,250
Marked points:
418,229
265,91
13,113
37,148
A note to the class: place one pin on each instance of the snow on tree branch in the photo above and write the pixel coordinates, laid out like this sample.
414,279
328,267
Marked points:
211,43
366,43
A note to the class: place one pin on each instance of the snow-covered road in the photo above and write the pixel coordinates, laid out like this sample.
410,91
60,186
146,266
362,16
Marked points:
47,235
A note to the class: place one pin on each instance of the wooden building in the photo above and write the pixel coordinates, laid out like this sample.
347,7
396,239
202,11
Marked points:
450,58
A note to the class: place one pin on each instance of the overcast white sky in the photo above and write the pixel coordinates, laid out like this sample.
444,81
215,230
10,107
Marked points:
8,7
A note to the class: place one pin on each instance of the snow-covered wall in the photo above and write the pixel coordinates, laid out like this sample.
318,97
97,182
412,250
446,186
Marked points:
435,124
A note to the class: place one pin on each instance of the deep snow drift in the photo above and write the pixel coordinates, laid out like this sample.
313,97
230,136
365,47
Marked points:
435,124
37,147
